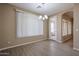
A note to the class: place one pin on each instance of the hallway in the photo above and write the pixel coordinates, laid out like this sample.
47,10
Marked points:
44,48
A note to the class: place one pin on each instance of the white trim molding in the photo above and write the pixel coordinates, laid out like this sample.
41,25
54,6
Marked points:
76,49
21,44
56,40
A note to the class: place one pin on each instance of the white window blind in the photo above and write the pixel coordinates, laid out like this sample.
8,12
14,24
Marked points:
28,24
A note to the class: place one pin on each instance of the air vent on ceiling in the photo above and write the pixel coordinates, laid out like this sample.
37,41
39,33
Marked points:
38,6
41,5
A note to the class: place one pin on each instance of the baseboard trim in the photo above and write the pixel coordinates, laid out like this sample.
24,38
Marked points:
21,44
59,41
56,40
76,49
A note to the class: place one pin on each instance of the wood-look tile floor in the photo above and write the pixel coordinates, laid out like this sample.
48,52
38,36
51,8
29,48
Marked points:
43,48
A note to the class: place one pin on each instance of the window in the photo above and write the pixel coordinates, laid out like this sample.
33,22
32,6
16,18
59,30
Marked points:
53,27
69,28
64,27
28,24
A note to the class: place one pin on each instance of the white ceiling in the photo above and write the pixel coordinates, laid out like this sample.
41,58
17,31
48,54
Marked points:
46,8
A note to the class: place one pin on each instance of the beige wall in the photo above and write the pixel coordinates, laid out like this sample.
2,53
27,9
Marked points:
8,28
76,26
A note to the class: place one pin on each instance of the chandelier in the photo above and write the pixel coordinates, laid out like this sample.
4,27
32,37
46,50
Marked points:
43,17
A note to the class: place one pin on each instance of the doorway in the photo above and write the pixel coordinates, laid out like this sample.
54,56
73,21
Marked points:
67,28
53,28
61,28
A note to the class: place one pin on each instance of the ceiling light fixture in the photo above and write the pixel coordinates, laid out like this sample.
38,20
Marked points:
44,17
38,6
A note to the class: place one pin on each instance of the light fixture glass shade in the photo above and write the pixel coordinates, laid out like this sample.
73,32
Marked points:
43,18
46,17
40,17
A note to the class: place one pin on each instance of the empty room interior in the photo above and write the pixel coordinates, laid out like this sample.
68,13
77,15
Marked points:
39,29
